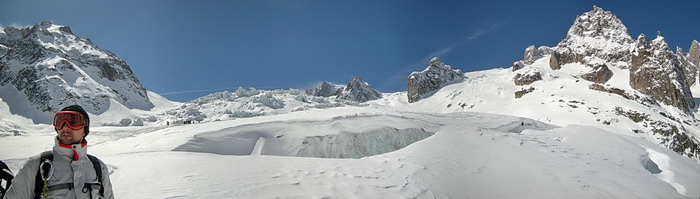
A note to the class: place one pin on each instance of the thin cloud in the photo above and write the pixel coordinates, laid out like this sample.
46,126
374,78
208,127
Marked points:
403,73
446,51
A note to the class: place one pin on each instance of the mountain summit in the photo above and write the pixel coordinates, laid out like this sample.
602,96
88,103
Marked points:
51,67
597,34
435,76
359,91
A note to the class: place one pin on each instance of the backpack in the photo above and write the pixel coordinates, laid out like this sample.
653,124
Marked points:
45,171
6,176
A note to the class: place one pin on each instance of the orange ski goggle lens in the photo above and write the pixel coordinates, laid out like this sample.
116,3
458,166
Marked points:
73,120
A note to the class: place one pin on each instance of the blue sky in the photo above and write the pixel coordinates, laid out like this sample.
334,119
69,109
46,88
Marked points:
187,49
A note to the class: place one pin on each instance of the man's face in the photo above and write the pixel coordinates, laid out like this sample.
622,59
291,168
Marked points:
70,127
69,136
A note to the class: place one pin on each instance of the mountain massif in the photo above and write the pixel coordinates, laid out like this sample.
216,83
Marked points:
45,67
597,49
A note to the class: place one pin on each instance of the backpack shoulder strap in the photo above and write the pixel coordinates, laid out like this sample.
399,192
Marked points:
6,175
98,171
38,181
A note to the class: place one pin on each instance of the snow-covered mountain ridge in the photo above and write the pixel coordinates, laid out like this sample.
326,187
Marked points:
45,67
623,80
244,103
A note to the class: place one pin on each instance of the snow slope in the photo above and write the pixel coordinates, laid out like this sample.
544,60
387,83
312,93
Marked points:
471,155
562,98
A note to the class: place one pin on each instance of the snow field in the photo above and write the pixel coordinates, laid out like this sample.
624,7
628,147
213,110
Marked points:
471,155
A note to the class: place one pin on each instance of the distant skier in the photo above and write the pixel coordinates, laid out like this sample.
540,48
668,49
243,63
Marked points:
67,171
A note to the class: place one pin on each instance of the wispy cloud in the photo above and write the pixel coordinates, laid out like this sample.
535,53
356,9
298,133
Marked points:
447,50
400,76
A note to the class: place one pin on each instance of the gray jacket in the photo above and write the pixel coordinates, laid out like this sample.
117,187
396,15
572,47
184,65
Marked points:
71,166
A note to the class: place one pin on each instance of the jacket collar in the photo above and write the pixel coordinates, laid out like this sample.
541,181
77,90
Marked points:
73,152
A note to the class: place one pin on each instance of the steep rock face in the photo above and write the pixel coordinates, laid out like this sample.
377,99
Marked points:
694,58
55,68
690,70
596,33
694,53
435,76
554,61
655,71
326,89
359,91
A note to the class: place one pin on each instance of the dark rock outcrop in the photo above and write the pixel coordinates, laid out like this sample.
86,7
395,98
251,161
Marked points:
527,78
359,91
521,92
600,74
435,76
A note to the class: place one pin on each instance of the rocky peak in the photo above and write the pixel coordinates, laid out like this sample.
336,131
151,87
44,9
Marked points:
359,91
54,68
435,76
641,41
599,23
659,44
694,53
326,89
597,33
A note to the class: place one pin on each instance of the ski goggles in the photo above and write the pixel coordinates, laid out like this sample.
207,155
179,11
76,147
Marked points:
73,120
